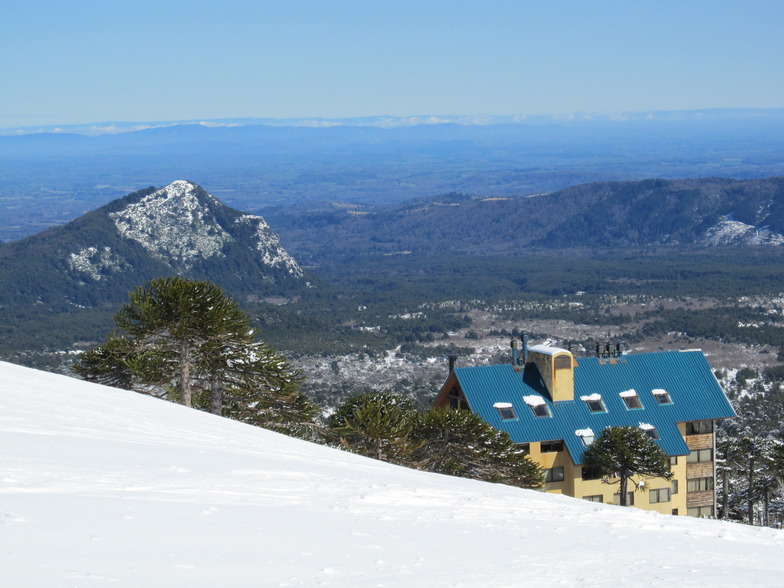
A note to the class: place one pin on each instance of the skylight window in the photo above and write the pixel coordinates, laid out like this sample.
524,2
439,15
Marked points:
505,410
662,396
650,430
585,435
631,399
537,405
594,403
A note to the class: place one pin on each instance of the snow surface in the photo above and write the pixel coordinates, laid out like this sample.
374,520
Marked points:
102,487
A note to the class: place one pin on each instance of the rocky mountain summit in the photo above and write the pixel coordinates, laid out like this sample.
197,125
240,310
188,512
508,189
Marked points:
176,230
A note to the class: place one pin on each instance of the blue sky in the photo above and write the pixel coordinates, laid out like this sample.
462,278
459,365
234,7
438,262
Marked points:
80,61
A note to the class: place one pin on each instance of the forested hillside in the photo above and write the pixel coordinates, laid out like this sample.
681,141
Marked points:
605,216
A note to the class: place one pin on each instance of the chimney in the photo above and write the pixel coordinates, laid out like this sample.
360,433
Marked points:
525,348
452,360
556,368
514,344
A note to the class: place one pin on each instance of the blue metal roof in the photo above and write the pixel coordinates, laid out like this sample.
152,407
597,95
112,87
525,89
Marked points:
685,375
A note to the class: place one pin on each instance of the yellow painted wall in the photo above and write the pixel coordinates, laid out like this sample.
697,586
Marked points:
573,484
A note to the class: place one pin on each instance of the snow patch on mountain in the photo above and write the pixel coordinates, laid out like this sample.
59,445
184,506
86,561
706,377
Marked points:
95,262
173,225
268,244
732,232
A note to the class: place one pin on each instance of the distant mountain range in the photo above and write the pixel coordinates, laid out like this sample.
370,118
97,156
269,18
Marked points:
181,229
605,215
712,115
177,230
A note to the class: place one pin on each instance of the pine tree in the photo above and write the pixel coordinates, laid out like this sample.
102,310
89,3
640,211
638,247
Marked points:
623,452
460,443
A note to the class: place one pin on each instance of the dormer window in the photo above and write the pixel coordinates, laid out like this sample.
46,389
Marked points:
537,405
662,396
585,435
650,430
631,399
505,411
594,403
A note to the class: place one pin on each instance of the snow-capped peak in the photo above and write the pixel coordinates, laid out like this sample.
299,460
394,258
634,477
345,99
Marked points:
174,224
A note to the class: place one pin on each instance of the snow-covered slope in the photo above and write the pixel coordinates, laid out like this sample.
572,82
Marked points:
102,487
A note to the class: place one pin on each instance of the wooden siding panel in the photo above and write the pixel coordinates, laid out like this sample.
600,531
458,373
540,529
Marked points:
702,469
702,498
700,441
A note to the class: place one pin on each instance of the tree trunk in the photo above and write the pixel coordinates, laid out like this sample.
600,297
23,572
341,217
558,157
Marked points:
623,486
750,506
185,374
216,395
725,493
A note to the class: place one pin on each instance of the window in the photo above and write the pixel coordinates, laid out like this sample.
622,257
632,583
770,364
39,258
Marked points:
675,486
540,410
594,498
505,410
674,460
591,474
699,484
456,399
594,403
662,396
699,455
554,475
525,447
562,362
629,499
659,495
552,446
650,430
699,427
700,511
585,435
537,405
631,399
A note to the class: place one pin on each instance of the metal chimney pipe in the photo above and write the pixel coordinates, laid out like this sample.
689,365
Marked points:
452,360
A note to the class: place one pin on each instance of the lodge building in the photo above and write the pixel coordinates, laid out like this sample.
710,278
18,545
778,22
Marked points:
554,405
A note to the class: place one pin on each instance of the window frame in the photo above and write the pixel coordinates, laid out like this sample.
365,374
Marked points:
551,475
697,456
594,497
662,397
505,411
705,484
657,494
698,427
629,399
551,446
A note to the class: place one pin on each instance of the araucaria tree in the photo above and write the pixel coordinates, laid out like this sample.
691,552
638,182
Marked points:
375,424
623,452
188,339
460,443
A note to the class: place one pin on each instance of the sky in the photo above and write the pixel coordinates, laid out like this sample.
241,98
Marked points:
151,60
105,487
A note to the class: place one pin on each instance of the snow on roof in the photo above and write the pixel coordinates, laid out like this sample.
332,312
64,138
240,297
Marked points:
593,397
584,432
547,350
658,392
533,400
646,426
628,393
502,405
